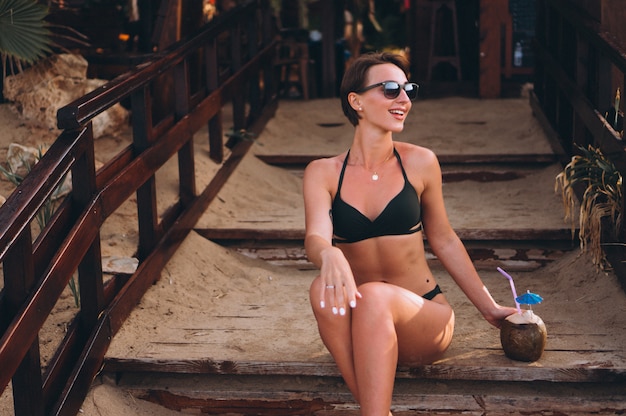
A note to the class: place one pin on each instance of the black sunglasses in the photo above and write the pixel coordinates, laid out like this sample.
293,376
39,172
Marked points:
391,89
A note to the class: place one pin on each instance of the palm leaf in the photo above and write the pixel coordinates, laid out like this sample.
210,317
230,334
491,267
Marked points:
24,35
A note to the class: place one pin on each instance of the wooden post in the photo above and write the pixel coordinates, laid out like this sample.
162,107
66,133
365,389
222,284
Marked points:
216,148
329,76
18,266
493,17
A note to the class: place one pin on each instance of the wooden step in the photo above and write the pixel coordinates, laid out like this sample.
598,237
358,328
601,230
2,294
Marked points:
328,396
521,254
269,329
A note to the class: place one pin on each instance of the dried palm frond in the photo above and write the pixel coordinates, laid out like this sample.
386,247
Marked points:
602,198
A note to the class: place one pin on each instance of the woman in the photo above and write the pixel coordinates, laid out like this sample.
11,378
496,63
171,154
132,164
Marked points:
376,301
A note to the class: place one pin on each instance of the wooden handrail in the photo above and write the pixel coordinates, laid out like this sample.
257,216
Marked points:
36,272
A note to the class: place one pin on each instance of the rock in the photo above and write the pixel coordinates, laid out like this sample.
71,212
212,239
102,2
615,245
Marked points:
523,336
65,66
41,90
21,159
117,265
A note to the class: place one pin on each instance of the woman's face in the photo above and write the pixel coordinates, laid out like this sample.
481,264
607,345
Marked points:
376,109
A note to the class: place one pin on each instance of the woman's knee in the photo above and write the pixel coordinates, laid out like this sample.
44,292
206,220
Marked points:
375,302
375,293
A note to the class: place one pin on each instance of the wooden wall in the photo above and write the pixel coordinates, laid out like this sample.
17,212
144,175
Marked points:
591,7
613,17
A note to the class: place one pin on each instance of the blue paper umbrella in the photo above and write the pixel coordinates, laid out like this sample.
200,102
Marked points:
529,298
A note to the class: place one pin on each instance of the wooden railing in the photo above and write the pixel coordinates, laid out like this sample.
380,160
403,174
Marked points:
228,62
579,67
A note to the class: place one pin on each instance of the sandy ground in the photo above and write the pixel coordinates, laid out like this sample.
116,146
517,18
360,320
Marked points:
303,128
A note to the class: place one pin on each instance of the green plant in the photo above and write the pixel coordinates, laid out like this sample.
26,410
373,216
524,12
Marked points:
602,187
47,210
24,35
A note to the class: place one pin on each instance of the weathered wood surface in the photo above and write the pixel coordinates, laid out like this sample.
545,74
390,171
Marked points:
329,397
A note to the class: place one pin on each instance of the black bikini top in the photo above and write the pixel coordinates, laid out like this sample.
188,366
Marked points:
402,215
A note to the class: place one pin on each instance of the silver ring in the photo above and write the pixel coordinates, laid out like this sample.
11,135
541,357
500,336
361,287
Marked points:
330,286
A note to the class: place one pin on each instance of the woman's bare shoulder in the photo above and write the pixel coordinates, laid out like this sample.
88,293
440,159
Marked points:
414,153
324,166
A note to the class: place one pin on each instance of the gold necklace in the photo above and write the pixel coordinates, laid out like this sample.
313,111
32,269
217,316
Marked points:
375,176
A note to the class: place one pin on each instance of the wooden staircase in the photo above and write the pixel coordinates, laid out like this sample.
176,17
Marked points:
261,355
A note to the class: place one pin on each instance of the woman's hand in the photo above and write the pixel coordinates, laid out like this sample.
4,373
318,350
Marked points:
496,315
337,287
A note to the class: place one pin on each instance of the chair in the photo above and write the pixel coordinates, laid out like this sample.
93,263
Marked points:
437,55
293,63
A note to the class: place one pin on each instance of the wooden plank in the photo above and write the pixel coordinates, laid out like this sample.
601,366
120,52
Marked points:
59,367
496,369
410,397
223,331
328,404
262,402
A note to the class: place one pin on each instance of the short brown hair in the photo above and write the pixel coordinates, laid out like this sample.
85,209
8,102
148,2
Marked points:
354,77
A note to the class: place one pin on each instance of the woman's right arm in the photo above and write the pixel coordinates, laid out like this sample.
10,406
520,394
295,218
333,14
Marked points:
334,268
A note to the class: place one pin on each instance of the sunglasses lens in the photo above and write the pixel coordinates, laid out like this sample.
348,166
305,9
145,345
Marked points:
411,90
391,90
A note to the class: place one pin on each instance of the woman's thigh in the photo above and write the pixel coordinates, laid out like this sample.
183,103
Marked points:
424,328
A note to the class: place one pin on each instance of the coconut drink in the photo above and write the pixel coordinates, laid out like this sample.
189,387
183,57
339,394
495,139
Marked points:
523,334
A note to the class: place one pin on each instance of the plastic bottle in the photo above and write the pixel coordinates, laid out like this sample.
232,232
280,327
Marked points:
517,55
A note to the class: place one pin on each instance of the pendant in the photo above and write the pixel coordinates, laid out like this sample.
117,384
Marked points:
375,176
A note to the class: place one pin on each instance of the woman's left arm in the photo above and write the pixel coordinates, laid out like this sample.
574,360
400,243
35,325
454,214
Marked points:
448,247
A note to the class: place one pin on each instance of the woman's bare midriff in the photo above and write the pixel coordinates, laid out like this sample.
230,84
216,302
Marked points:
397,260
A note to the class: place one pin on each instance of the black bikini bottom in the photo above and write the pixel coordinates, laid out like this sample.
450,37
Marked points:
430,295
